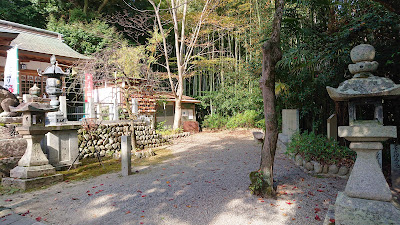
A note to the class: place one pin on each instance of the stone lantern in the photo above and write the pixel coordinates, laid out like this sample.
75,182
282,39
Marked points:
33,168
54,89
367,196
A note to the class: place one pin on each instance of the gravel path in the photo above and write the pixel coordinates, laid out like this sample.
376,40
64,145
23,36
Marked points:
205,183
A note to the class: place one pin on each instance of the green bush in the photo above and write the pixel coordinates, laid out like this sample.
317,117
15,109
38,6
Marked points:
214,121
318,148
247,119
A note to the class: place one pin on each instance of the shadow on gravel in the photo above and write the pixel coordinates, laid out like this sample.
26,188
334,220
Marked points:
205,183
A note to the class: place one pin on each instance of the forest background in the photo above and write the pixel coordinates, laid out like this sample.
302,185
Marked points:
317,36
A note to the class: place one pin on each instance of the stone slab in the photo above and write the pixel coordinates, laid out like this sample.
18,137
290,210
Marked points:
374,133
126,148
332,127
290,122
32,171
351,211
26,184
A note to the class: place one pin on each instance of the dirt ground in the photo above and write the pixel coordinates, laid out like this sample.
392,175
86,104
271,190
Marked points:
205,181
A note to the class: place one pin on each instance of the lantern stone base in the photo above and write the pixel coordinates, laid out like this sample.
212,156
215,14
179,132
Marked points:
350,211
26,184
32,171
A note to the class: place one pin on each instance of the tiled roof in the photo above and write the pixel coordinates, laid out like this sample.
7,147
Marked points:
38,40
41,44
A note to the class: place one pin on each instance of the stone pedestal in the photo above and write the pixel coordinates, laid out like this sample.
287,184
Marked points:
61,145
361,211
33,168
366,179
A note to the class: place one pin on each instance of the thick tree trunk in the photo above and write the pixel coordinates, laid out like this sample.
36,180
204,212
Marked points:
271,55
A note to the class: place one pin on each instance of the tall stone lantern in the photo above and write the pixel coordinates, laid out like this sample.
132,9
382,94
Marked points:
54,89
367,196
33,168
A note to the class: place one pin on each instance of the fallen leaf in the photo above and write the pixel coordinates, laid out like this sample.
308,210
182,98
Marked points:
127,212
317,210
90,194
8,200
289,203
167,182
332,220
284,214
75,198
38,219
317,218
189,206
293,218
319,190
144,196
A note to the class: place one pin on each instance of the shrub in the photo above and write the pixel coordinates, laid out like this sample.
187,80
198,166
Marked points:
214,121
246,119
318,148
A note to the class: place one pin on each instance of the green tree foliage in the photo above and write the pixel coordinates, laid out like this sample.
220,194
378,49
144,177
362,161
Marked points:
85,37
23,11
318,37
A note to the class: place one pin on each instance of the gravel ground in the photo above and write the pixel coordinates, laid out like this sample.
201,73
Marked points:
205,183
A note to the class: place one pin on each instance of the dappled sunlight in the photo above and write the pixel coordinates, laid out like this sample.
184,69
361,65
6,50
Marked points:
100,200
99,211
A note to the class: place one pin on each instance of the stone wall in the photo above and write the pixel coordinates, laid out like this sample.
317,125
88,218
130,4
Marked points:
107,138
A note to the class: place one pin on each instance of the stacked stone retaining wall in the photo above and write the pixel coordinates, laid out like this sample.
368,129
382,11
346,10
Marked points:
106,138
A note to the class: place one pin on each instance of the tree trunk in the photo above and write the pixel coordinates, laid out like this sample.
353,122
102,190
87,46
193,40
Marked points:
271,55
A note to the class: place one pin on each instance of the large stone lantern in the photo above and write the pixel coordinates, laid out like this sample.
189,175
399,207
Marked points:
54,89
33,168
367,196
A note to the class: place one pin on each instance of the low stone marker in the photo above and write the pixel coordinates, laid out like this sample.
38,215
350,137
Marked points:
126,148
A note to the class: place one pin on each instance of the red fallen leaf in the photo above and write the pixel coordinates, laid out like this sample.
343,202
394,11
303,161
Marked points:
139,191
25,213
141,222
96,192
38,219
317,218
310,193
188,183
101,184
332,220
283,186
100,190
289,203
8,200
170,199
317,210
90,194
94,187
75,198
262,201
319,190
294,188
144,196
127,212
87,191
169,185
299,207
